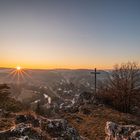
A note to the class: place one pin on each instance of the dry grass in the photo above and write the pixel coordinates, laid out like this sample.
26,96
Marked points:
92,126
6,124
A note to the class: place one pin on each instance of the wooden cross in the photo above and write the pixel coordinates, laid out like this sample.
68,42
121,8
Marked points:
95,73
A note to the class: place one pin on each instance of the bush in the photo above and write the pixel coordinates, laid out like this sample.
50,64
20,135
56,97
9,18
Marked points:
122,90
6,102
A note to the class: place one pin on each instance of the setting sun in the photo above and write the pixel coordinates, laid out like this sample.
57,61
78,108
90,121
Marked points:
18,68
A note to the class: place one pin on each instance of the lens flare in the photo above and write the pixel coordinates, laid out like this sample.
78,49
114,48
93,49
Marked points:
18,75
18,68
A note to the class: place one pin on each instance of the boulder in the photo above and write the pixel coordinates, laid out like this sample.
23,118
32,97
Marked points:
122,132
28,118
27,130
59,128
20,132
135,135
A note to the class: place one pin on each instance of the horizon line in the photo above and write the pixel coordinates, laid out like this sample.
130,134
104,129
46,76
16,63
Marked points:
57,68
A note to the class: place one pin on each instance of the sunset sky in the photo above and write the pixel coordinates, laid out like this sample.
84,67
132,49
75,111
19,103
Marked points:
69,33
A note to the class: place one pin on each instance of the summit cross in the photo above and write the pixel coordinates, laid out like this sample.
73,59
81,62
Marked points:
95,73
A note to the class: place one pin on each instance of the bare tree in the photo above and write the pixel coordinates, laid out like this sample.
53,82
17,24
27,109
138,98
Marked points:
123,88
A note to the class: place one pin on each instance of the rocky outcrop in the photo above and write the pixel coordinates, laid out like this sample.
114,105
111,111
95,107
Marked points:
32,127
28,118
121,132
26,130
59,128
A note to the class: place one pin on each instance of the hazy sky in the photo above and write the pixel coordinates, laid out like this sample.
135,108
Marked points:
69,33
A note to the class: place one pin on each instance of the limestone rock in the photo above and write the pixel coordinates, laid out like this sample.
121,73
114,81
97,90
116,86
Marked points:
35,127
59,128
122,132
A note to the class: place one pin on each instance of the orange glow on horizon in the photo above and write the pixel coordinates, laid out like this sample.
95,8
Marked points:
19,68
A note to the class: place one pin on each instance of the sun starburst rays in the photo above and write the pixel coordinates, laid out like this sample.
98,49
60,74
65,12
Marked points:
18,75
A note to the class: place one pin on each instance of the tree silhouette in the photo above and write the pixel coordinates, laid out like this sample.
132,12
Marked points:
122,90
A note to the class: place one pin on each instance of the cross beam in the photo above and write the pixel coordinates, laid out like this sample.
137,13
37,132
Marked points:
95,73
